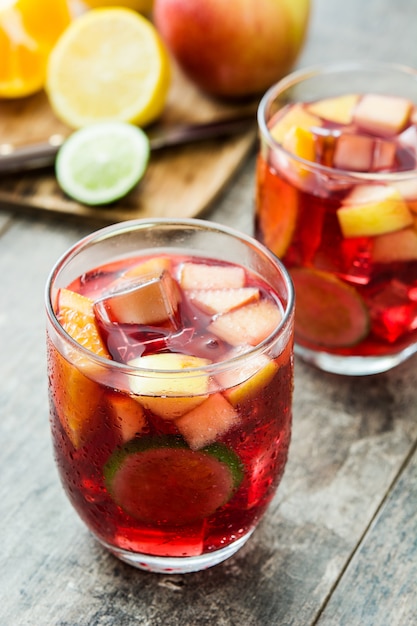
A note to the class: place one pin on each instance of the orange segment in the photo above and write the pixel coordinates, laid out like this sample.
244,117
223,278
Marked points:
28,31
77,397
76,316
300,142
295,116
277,210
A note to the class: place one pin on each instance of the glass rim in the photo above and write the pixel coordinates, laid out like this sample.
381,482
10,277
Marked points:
108,232
322,70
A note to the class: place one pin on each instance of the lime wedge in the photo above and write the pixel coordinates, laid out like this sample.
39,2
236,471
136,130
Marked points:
102,162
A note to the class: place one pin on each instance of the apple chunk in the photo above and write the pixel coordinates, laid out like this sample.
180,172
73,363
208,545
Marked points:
213,301
168,390
207,422
381,114
247,378
408,190
371,210
250,324
338,110
398,246
204,276
128,414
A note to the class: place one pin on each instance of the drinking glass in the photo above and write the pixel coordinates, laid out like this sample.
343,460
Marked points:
170,364
336,201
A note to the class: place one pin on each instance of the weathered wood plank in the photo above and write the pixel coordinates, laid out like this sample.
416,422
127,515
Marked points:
380,584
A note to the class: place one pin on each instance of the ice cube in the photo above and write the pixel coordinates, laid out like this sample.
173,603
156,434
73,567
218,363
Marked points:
148,300
126,342
392,312
384,155
357,260
325,142
354,153
407,151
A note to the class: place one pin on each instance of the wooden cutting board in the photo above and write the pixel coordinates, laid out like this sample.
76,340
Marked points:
179,182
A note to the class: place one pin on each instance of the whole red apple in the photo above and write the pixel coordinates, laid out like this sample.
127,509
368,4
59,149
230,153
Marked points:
233,48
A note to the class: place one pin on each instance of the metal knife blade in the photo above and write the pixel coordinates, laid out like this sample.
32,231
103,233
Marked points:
39,155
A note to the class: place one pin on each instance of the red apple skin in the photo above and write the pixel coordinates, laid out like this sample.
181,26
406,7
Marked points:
233,48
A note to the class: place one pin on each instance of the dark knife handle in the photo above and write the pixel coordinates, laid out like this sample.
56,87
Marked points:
38,155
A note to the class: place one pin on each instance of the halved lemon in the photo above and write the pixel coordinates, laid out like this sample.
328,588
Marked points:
110,64
143,6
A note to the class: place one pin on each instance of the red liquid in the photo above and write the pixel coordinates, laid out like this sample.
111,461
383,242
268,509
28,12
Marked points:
239,468
297,217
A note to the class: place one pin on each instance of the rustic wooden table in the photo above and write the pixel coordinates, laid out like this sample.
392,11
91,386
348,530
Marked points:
338,545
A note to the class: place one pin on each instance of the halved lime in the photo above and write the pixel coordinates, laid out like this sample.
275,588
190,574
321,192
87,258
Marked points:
102,162
159,480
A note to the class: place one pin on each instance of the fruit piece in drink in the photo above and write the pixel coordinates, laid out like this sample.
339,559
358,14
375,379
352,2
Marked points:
163,390
250,324
161,481
329,313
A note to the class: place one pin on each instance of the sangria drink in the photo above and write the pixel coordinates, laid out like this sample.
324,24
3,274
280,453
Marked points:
170,361
337,202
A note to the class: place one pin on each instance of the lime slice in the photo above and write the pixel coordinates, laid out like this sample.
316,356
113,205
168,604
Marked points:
328,312
159,480
102,162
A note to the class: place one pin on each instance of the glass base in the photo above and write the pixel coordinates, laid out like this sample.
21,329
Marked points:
353,365
177,565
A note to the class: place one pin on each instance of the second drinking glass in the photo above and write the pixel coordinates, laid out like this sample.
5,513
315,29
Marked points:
337,202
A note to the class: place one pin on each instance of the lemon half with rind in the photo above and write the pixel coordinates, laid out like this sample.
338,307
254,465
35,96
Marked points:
109,64
143,6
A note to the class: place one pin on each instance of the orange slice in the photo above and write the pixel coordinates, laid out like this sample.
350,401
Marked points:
28,31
